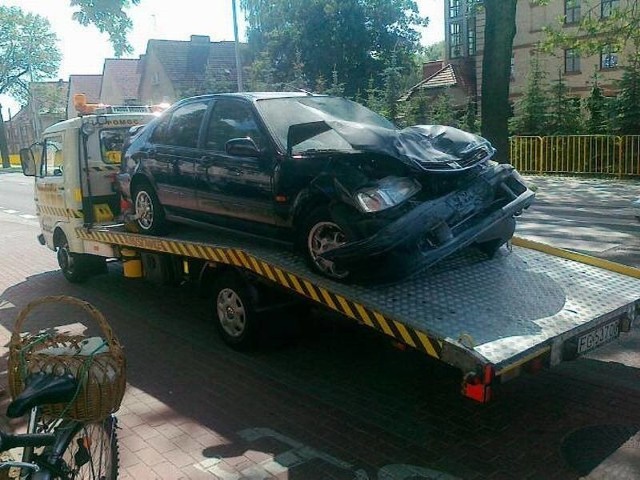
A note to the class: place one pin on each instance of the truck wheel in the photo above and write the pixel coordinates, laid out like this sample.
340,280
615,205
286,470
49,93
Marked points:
149,212
73,265
234,315
319,234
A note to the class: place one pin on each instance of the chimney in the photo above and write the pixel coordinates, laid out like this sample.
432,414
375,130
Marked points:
200,39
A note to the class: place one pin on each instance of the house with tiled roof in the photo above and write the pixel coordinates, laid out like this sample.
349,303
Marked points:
449,78
89,85
47,105
120,81
172,69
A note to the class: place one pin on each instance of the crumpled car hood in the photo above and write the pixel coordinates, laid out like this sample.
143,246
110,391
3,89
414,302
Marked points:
425,147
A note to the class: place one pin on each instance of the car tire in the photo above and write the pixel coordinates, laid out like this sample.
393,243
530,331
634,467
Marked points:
234,315
319,234
149,212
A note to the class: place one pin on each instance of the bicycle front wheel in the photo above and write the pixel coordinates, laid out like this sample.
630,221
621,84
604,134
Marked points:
91,451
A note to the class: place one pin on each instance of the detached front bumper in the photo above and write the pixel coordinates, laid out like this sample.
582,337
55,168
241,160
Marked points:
483,212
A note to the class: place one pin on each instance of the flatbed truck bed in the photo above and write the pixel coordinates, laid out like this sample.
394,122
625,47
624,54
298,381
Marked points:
522,310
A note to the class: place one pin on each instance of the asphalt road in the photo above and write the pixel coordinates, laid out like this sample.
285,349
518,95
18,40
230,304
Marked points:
590,216
339,402
16,194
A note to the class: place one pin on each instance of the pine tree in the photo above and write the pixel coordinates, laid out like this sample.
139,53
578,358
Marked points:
531,109
564,113
597,108
336,88
418,109
627,103
392,76
443,112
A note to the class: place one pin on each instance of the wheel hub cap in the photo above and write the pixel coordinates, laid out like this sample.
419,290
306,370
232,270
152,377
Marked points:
231,312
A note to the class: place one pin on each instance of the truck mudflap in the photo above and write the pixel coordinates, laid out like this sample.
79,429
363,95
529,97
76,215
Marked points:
521,311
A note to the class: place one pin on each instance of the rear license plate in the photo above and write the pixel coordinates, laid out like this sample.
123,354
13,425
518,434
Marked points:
598,336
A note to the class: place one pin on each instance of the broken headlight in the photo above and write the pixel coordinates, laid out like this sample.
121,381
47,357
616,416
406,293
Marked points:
387,193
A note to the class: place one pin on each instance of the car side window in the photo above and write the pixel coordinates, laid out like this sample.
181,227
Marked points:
184,125
232,119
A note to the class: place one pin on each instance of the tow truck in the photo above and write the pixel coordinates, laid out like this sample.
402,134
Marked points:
529,307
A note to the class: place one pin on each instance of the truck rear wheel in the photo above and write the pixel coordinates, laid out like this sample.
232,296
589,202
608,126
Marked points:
233,311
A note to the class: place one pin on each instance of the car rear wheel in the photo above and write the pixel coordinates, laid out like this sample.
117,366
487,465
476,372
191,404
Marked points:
149,213
321,234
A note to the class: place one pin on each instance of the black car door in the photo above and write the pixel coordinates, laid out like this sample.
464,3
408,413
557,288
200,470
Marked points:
172,153
237,186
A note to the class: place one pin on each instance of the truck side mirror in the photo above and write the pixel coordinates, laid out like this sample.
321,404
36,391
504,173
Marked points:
28,162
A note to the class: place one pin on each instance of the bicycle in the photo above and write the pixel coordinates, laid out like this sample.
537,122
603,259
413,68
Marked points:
57,448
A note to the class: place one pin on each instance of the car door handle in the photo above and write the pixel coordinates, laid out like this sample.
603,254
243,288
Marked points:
235,171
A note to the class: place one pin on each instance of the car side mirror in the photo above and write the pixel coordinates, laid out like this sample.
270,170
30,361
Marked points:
28,162
242,147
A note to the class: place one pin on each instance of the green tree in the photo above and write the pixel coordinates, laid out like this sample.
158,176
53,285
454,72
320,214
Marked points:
627,102
597,108
417,110
500,29
565,116
28,52
442,112
432,52
392,76
110,17
531,109
336,88
358,38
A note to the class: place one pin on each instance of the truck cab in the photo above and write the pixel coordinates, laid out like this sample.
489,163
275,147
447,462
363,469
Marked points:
75,166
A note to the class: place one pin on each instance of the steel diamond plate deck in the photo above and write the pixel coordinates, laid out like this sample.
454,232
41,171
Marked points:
507,306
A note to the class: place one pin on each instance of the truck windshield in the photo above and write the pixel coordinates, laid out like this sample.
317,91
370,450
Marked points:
111,142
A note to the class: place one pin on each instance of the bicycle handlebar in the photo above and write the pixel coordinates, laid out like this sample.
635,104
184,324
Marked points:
9,441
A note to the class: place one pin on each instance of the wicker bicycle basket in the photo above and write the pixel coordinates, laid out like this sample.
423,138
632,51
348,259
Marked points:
99,369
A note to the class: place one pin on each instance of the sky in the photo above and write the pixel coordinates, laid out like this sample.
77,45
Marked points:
84,49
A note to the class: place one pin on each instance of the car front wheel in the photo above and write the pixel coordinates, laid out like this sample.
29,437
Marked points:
321,234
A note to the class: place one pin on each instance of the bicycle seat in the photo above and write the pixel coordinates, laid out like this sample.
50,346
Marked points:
42,389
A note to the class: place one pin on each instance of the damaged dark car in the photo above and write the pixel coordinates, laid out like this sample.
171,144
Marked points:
359,197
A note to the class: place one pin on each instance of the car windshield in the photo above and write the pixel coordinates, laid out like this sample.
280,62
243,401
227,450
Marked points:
280,113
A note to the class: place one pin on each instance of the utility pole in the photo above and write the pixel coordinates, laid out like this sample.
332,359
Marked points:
4,148
237,47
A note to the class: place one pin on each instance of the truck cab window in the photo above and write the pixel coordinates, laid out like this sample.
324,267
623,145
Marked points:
111,142
52,159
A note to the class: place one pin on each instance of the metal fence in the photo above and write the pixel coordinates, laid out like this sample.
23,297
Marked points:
581,154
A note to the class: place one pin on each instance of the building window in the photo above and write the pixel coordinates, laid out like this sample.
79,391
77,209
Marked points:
571,11
455,8
471,36
607,7
455,40
608,58
571,61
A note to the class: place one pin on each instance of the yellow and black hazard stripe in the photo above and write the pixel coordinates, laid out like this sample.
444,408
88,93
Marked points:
239,258
59,211
105,168
577,257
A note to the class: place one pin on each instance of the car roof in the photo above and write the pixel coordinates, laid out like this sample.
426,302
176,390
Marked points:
255,95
